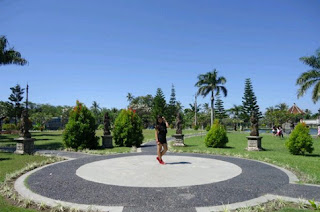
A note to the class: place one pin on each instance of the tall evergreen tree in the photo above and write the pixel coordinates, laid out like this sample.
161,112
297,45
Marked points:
172,107
16,98
250,101
159,104
219,109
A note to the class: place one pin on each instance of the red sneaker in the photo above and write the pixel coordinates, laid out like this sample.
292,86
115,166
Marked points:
162,162
158,159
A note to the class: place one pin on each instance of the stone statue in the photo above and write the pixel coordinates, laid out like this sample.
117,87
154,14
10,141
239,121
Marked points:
107,124
254,125
179,123
25,125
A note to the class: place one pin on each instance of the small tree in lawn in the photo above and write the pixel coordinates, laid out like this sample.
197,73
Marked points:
249,102
127,129
80,129
300,141
217,136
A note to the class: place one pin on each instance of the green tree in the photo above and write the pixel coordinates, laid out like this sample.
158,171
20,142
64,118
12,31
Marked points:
16,98
130,97
219,109
5,111
96,110
9,55
159,104
80,132
128,129
311,77
172,107
300,141
40,118
143,107
210,83
236,115
277,115
249,101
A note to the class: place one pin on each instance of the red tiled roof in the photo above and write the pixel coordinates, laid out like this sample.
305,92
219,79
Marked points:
295,110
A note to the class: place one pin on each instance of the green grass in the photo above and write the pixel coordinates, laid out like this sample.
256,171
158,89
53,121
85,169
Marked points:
275,153
53,140
306,167
149,135
10,163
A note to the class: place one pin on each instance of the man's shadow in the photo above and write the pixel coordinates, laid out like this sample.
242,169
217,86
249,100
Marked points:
178,163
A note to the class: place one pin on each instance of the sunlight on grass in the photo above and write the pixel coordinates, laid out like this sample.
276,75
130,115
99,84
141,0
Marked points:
276,153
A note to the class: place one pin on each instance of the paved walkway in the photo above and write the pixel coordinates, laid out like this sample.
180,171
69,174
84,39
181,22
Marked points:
136,182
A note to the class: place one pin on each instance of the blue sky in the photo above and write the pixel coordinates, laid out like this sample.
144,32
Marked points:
101,50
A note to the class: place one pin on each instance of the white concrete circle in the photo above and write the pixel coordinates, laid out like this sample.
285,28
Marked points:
145,171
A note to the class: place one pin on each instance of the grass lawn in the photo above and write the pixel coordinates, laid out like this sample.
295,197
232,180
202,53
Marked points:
53,140
10,163
305,167
149,135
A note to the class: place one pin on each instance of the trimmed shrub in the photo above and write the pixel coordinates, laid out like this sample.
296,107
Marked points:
195,127
80,129
217,136
208,128
300,141
128,129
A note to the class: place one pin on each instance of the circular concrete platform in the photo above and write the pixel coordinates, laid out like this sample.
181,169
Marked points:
62,181
145,171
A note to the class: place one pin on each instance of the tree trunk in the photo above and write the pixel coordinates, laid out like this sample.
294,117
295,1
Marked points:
212,108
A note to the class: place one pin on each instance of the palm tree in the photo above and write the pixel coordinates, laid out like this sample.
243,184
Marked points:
95,108
282,107
236,111
210,83
310,78
130,97
9,55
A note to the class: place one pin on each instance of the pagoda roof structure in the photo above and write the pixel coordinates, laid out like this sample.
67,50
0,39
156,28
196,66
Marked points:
295,110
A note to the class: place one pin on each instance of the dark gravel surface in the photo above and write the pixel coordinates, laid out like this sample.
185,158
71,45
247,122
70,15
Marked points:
73,155
297,191
60,182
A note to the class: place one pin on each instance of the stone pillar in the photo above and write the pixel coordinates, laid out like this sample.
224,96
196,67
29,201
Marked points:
178,140
24,145
107,141
254,143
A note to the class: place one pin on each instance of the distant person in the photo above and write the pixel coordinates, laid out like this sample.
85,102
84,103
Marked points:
274,131
161,137
279,131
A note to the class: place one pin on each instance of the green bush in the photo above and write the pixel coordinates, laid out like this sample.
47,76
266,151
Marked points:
128,129
217,136
195,127
300,141
9,127
100,127
208,128
80,129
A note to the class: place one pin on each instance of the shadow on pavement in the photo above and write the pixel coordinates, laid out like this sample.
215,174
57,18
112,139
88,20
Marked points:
178,163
